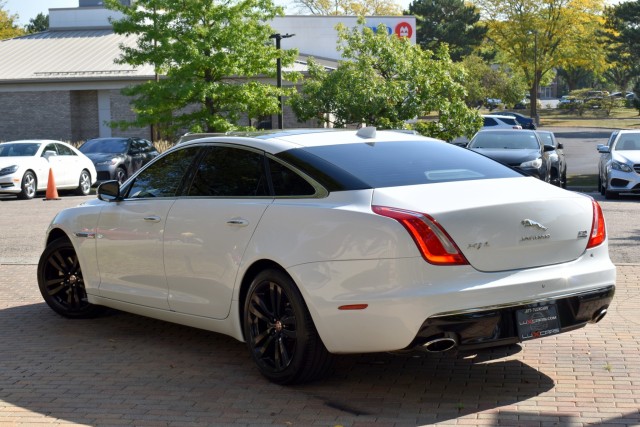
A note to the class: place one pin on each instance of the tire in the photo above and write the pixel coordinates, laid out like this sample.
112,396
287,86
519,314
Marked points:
61,283
280,333
28,186
602,186
84,184
120,175
563,182
610,194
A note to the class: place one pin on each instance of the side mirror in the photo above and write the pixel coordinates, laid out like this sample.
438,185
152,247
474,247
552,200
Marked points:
109,191
548,148
49,153
603,149
560,146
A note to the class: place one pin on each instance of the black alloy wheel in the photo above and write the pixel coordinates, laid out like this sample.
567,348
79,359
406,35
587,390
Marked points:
61,282
280,333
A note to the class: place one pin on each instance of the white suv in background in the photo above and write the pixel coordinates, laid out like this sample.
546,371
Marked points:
496,121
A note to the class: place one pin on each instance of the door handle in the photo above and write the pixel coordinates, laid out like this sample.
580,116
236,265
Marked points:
152,218
238,221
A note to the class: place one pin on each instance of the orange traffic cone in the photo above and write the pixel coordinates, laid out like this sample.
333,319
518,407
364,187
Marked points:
52,191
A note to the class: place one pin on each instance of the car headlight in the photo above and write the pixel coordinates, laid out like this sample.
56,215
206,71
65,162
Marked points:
8,170
532,163
107,162
620,167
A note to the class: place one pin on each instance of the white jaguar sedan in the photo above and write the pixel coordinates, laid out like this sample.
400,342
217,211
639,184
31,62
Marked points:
24,167
308,243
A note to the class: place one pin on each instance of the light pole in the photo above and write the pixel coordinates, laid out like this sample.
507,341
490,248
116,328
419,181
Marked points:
279,37
534,98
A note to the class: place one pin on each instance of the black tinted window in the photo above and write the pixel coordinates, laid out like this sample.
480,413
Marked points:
505,140
164,177
230,172
388,164
63,150
488,121
288,183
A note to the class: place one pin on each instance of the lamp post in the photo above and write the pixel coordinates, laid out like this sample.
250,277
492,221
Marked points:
534,98
279,37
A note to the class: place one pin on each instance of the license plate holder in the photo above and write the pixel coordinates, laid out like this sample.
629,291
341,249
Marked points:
538,321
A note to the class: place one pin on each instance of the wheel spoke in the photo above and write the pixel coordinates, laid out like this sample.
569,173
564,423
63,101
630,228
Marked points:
275,292
56,290
260,310
262,349
282,355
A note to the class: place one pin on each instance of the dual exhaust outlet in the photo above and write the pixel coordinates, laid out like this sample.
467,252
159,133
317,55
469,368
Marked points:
447,340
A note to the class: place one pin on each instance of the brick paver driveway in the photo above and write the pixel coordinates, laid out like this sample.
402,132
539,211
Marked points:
128,370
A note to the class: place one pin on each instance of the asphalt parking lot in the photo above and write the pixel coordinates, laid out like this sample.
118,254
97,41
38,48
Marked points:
128,370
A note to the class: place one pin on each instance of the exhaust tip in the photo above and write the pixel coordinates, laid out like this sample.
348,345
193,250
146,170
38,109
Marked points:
599,315
440,343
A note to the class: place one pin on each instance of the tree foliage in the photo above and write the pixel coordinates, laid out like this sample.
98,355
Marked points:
484,81
208,56
536,36
8,25
348,7
38,24
384,81
622,32
448,21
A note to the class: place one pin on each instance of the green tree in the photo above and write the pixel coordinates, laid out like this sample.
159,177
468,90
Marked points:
207,55
8,26
38,24
348,7
485,81
448,21
534,36
622,32
384,81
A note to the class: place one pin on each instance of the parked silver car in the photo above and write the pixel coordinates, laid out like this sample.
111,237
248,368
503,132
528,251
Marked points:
619,166
118,158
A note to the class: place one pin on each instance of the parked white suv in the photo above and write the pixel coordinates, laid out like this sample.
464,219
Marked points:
496,121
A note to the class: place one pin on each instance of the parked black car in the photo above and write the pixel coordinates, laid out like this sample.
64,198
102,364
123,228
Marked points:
524,121
558,161
117,158
521,149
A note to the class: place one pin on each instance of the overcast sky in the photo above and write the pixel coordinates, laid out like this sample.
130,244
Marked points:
28,9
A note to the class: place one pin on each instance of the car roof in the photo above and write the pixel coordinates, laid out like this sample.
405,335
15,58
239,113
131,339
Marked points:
31,141
497,116
277,141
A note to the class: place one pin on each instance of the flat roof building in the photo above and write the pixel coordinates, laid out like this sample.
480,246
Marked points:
64,83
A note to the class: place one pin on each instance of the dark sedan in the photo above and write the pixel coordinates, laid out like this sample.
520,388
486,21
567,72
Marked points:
118,158
558,161
520,149
524,121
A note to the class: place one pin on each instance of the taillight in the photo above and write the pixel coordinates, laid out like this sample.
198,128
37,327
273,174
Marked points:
432,240
598,229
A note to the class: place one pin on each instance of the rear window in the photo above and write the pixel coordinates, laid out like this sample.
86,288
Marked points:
511,122
391,164
505,140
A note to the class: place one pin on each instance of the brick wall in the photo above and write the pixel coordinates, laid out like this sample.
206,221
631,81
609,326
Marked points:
121,110
84,115
41,115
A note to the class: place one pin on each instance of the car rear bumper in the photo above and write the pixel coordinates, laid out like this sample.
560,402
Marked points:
404,298
496,326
